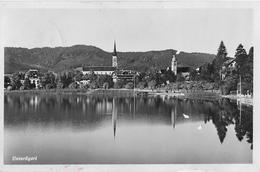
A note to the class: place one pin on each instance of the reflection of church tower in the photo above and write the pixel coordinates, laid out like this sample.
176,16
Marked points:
174,64
114,116
173,115
114,56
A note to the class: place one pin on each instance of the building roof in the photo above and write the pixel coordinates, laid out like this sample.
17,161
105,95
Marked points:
183,69
125,72
228,62
32,73
98,68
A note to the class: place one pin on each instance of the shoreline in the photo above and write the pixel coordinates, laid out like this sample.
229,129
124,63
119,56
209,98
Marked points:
201,95
243,100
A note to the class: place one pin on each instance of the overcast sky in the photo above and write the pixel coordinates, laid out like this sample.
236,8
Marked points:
191,30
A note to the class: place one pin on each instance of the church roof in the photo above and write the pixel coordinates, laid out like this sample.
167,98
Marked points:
183,69
99,68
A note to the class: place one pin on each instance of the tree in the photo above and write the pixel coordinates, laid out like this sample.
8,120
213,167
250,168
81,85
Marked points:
194,75
152,84
119,84
180,78
169,76
249,75
7,81
208,73
215,68
101,79
66,78
241,59
221,56
129,85
48,79
16,81
78,76
27,84
141,85
59,84
73,85
93,84
251,54
106,85
244,64
229,84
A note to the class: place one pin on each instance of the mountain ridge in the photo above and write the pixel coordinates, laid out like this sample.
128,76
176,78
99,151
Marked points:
61,58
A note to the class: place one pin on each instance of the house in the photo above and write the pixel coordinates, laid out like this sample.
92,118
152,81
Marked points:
127,75
98,70
33,76
228,67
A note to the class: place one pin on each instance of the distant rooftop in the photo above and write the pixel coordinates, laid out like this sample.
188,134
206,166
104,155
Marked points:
98,68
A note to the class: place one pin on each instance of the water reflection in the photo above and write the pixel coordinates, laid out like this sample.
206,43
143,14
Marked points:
92,113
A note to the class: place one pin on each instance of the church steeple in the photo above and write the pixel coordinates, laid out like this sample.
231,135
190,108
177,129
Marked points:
114,53
114,56
174,64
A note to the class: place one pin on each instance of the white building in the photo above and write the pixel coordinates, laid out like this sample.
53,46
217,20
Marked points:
33,76
174,64
179,68
98,70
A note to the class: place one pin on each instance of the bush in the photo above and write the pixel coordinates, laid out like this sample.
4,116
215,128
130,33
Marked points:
60,85
106,85
152,84
93,85
9,88
180,78
22,88
141,85
73,85
49,86
129,85
119,84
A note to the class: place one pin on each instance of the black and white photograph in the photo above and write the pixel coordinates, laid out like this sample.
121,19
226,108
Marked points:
93,86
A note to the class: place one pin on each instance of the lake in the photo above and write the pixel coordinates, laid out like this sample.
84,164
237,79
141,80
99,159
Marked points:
71,129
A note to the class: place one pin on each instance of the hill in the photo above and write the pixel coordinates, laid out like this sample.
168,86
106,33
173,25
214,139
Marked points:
60,58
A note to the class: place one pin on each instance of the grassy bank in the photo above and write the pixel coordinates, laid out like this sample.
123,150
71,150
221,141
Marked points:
90,92
50,91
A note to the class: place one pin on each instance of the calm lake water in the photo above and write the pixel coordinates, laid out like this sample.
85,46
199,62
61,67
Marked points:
92,130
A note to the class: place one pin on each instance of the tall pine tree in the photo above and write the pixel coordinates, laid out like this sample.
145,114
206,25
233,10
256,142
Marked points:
241,59
221,57
249,75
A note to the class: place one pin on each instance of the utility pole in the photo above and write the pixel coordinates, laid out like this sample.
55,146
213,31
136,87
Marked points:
240,85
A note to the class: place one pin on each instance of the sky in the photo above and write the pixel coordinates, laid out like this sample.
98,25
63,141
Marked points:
189,30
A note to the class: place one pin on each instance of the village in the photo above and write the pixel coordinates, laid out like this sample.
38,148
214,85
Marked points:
175,80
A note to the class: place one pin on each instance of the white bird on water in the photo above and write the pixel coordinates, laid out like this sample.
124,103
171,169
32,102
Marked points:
185,116
200,127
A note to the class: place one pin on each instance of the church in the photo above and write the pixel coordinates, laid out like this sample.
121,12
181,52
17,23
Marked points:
178,68
102,70
120,74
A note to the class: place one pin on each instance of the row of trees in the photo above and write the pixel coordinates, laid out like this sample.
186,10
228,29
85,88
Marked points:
72,79
212,72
